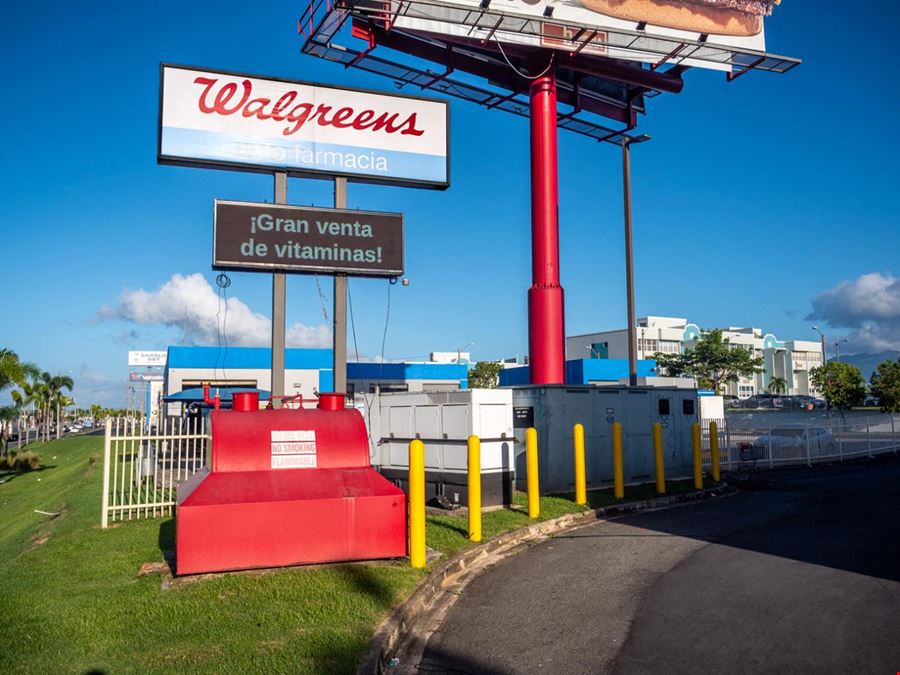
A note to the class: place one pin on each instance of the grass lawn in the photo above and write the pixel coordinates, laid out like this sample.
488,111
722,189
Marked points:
72,599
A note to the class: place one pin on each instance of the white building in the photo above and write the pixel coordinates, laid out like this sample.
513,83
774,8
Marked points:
791,360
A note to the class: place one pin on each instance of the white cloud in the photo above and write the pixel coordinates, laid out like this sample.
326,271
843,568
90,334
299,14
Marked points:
869,305
190,304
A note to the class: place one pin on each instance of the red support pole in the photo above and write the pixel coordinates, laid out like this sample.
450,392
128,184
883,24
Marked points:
546,323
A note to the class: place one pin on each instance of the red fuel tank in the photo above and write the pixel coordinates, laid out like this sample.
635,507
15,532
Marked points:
287,487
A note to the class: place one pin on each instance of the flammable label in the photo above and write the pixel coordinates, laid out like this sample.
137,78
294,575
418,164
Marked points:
294,449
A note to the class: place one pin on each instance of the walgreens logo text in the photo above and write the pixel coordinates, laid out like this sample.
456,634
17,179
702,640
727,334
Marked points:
229,98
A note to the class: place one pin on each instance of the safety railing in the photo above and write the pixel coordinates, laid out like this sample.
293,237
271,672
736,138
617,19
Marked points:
142,468
768,443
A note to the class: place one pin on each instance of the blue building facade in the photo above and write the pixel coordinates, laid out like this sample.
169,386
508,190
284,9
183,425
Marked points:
307,371
584,371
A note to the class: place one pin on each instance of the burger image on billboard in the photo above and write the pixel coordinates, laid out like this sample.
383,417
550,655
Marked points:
717,17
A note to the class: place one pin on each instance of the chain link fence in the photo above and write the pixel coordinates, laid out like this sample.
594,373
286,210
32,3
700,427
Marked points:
768,442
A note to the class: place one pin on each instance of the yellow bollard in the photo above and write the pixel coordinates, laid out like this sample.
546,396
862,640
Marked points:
531,461
580,485
714,450
658,459
417,503
618,468
698,468
474,488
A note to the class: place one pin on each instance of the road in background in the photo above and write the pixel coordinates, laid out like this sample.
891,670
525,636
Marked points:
800,572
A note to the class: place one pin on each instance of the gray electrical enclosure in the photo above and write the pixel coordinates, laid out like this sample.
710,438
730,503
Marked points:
553,410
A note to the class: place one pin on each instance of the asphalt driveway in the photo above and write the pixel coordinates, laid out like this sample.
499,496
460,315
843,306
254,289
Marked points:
800,572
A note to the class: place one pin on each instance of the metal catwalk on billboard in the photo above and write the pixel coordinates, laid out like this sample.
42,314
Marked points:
589,82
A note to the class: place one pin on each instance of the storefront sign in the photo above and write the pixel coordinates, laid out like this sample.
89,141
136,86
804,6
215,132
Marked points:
265,237
228,120
145,377
146,358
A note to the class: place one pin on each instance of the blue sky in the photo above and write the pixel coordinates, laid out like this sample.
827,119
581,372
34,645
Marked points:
755,199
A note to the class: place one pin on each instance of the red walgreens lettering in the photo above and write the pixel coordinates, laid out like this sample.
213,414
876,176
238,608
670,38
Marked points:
297,115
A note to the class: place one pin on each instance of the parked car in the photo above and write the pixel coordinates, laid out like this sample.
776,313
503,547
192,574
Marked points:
803,402
765,401
752,402
820,440
730,401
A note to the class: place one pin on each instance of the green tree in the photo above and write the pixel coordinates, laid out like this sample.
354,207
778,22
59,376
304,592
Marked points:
485,375
13,370
712,360
777,386
841,384
886,385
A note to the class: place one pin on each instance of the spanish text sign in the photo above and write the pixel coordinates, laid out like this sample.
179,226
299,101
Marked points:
264,237
228,120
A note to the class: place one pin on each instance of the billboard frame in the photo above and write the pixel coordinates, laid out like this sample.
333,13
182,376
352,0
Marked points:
316,174
511,22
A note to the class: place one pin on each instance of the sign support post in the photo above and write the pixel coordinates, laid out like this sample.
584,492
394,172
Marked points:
278,308
339,309
546,341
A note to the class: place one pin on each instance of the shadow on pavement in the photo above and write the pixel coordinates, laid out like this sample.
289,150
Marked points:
839,516
446,661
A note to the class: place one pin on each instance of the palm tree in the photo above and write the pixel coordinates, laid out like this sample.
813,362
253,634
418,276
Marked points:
777,386
34,392
7,415
55,384
13,370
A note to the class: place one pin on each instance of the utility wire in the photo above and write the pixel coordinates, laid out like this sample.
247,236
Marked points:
223,281
321,299
352,322
356,350
519,72
387,318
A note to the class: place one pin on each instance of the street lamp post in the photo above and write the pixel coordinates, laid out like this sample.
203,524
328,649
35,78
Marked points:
822,335
459,351
629,255
837,349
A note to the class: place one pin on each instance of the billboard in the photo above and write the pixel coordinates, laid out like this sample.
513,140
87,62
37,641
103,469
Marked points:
635,30
146,358
227,120
251,236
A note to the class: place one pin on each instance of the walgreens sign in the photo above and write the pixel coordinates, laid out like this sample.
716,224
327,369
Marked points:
227,120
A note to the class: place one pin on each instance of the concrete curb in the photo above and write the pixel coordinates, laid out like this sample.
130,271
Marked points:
401,637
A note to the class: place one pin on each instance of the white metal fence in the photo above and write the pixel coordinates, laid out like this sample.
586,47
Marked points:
141,469
766,443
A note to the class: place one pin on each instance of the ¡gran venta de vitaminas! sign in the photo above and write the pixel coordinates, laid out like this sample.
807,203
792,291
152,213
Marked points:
267,237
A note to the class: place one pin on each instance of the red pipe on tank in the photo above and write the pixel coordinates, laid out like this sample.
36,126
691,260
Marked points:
215,402
546,321
331,401
245,401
